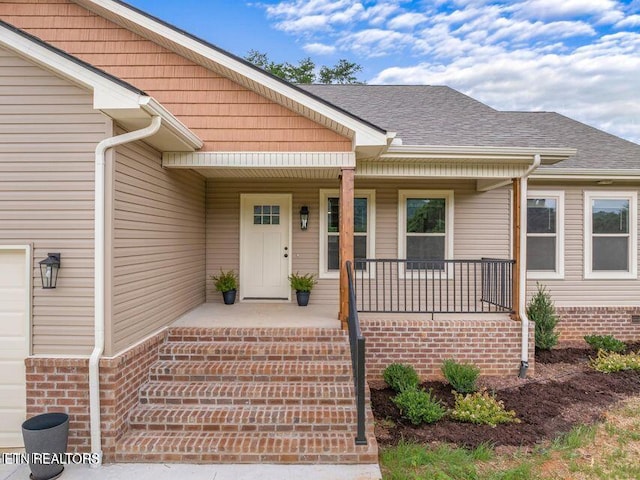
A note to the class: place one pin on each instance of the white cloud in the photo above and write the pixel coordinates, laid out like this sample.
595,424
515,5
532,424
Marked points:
375,42
319,49
630,21
407,20
548,9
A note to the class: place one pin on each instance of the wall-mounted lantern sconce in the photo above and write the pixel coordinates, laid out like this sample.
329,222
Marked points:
304,217
49,270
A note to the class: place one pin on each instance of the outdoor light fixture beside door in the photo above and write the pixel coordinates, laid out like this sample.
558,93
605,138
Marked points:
49,270
304,217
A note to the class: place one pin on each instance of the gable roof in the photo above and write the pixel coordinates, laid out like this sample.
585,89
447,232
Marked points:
438,115
367,137
123,102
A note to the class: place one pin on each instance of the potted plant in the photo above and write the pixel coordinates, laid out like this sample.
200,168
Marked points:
302,284
227,283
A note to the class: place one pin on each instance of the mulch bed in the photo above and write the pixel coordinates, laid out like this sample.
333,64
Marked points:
567,393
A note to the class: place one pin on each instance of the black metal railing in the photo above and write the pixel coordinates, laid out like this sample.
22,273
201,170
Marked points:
435,286
357,344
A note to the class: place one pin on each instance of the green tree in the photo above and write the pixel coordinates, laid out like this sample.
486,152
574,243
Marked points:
304,72
542,311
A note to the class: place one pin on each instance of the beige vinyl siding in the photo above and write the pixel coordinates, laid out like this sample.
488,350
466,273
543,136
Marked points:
48,133
574,290
472,222
158,244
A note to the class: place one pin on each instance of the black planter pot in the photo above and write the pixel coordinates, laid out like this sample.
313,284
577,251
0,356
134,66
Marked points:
46,433
229,297
303,298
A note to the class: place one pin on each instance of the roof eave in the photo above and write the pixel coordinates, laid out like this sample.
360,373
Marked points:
549,156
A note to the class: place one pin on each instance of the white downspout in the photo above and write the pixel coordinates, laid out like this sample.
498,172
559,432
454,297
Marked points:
99,254
522,301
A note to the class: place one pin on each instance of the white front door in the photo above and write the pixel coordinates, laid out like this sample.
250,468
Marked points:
265,246
14,346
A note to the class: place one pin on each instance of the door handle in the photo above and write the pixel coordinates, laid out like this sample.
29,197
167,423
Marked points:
286,255
286,252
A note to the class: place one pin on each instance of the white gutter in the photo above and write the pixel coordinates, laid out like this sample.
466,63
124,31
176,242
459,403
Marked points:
522,300
99,254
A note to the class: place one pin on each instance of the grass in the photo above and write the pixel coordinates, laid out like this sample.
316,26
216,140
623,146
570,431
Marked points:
608,450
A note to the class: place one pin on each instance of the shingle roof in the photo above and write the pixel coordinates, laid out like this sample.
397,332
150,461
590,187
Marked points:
438,115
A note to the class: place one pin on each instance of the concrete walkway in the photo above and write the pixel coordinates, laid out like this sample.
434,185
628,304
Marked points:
204,472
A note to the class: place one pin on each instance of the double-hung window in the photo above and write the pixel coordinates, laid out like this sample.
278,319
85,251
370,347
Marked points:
545,234
610,232
364,229
425,226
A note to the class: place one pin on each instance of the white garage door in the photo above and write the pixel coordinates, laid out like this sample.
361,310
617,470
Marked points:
14,321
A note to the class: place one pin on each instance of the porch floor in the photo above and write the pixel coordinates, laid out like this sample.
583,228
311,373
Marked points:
265,315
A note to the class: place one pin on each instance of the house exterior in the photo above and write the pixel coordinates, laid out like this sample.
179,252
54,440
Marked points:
425,190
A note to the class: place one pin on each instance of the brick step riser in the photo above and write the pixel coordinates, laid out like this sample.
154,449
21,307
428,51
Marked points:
267,401
337,339
235,428
251,357
234,377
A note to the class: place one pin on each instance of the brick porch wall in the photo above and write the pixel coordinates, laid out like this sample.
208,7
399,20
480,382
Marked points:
492,345
576,322
62,385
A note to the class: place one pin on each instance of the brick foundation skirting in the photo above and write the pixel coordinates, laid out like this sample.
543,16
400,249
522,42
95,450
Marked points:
576,322
62,385
492,345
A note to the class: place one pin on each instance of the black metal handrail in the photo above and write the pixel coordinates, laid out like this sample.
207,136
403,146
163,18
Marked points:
434,286
357,344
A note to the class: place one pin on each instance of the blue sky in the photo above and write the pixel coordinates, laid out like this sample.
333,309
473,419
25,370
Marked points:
577,57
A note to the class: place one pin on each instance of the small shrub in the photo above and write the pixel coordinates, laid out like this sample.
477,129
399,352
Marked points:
461,376
609,362
401,377
226,281
482,408
542,311
302,283
419,406
607,343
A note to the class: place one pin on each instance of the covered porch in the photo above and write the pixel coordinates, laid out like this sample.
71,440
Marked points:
259,315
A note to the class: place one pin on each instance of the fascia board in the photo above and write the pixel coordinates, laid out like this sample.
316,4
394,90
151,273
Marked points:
475,153
587,173
364,134
170,122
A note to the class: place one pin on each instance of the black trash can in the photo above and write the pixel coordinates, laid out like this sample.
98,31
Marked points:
46,433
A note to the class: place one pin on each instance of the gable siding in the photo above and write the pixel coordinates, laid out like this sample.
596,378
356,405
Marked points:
158,244
225,115
48,133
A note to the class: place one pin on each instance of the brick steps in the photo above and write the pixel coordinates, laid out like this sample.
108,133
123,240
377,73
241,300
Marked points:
265,418
261,335
246,393
251,447
257,351
248,371
240,395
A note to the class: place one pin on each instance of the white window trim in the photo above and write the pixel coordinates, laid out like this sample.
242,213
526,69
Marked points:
633,235
325,193
558,195
403,195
